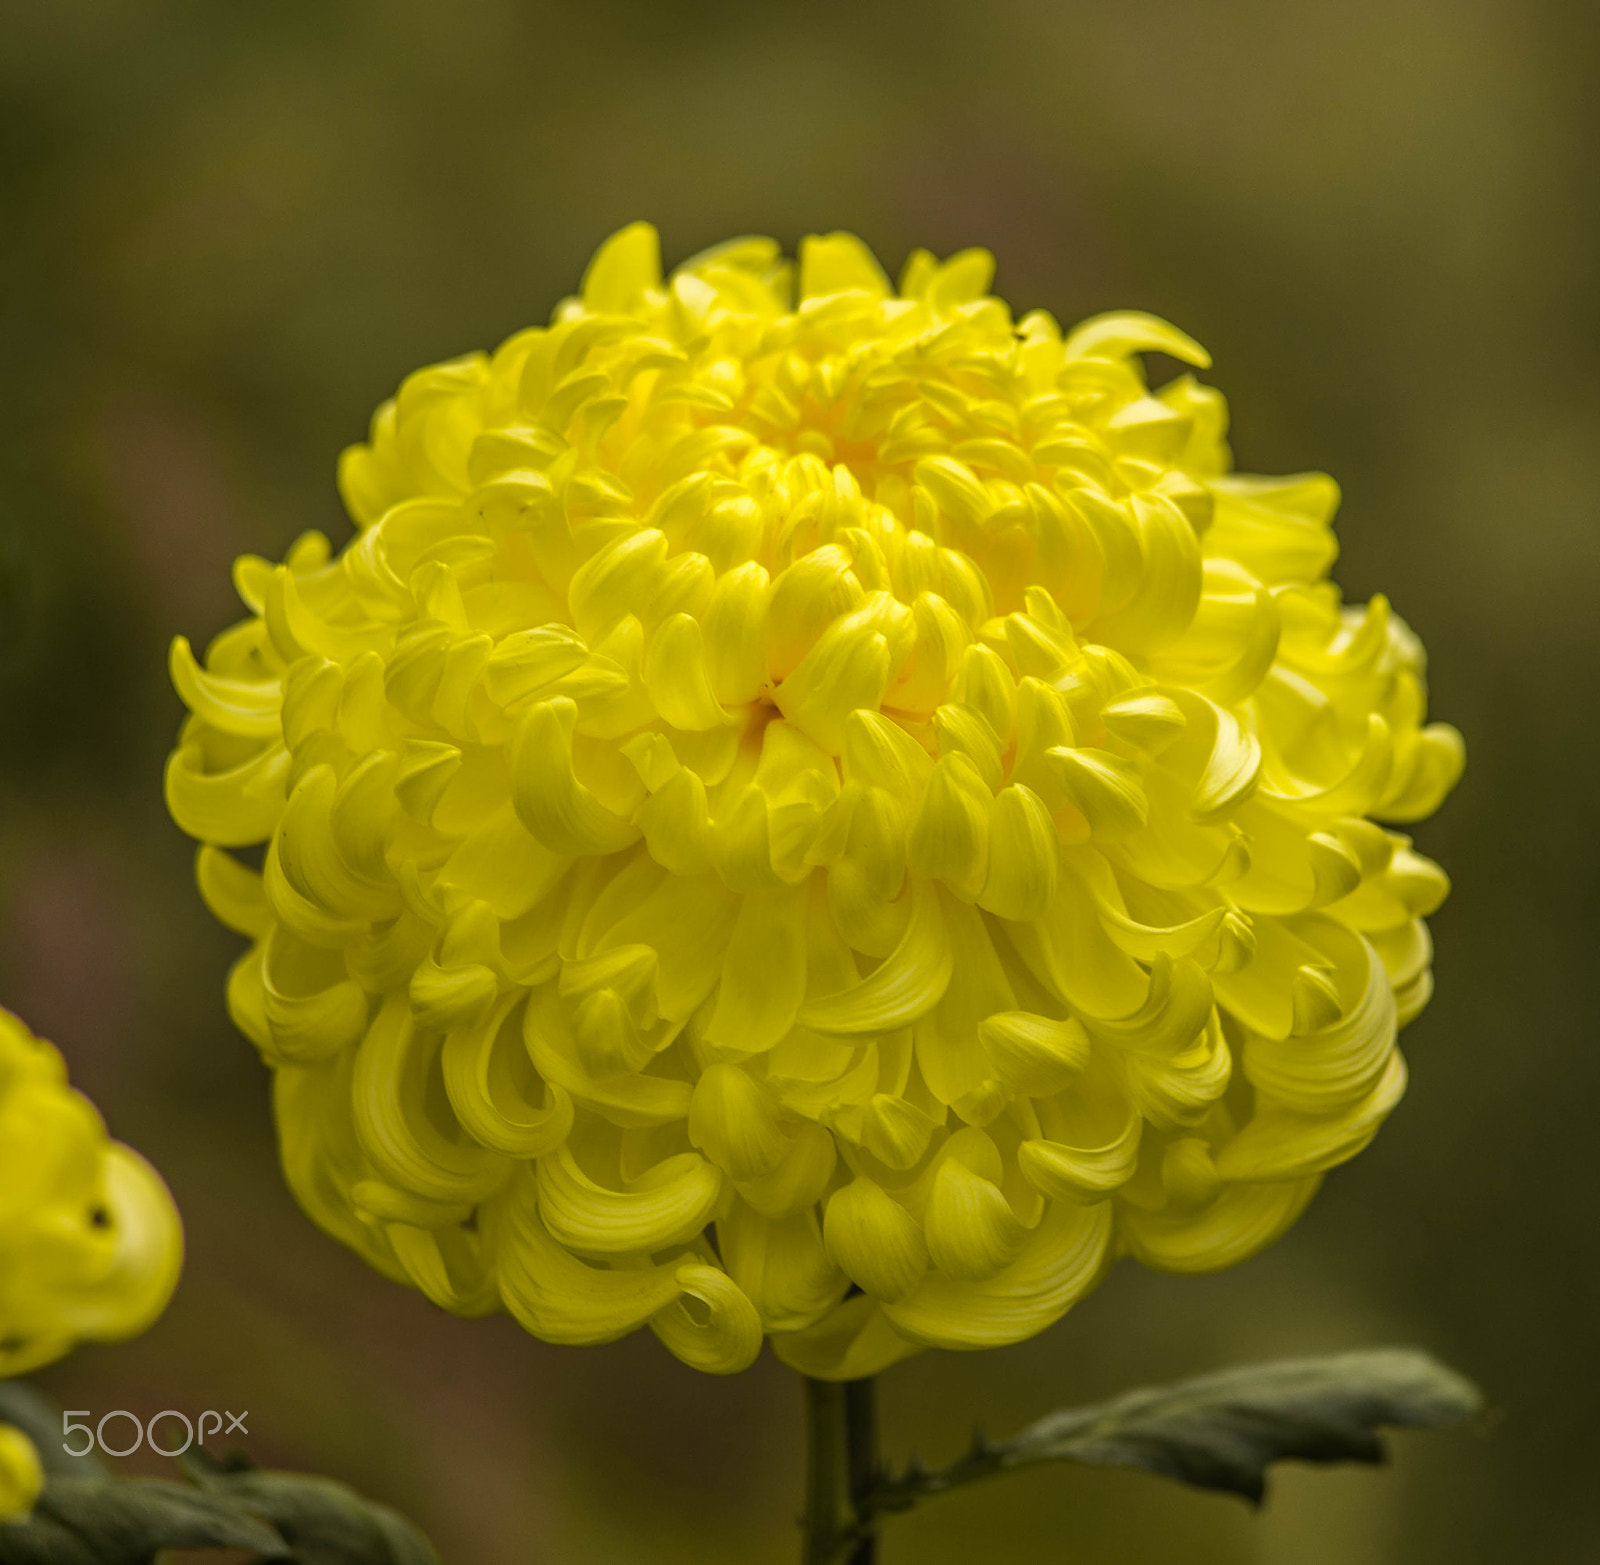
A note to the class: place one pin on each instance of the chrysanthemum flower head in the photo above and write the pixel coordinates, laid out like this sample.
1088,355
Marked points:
812,809
90,1243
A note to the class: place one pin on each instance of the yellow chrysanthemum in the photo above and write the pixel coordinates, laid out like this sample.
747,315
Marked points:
827,817
21,1475
90,1243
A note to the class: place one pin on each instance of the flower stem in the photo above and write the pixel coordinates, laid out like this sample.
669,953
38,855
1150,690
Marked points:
841,1469
861,1465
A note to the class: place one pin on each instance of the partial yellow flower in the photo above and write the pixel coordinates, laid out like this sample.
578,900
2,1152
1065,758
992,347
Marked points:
90,1242
21,1475
814,810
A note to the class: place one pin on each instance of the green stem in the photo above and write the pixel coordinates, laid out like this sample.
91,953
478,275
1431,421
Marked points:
841,1471
861,1465
824,1427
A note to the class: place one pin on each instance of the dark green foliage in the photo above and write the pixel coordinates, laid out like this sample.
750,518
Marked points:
87,1517
1224,1431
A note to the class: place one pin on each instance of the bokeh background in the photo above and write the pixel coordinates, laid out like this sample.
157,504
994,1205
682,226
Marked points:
226,231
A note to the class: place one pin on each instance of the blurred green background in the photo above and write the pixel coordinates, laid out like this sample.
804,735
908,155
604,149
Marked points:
226,231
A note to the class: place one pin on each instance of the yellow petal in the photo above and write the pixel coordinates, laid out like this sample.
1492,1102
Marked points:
877,1243
392,1119
781,1265
495,1091
21,1474
908,983
763,973
564,814
231,808
232,892
1245,1218
851,1342
735,634
972,1231
736,1121
712,1326
1023,856
1106,790
676,676
838,263
1036,1055
236,706
949,839
1123,332
1060,1262
588,1216
624,270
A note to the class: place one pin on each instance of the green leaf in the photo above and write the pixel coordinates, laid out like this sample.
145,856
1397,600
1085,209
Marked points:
40,1420
1223,1431
128,1521
86,1517
322,1521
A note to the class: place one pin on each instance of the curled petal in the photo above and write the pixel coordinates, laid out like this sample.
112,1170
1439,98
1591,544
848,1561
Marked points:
1276,527
949,840
1069,952
559,810
529,661
616,581
846,671
712,1325
394,1125
1281,1143
782,1266
875,1240
235,706
881,754
1231,770
1358,791
736,1121
949,1038
1169,588
851,1342
763,973
670,1208
1146,719
1060,1262
309,855
232,808
1122,332
232,892
309,1012
562,1299
797,1180
972,1231
495,1091
1434,768
1243,1219
624,1099
735,634
1321,1067
908,983
1034,1054
623,270
310,920
1022,875
448,1266
676,676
